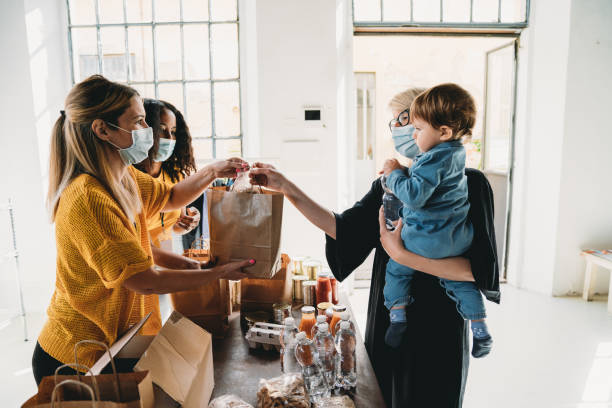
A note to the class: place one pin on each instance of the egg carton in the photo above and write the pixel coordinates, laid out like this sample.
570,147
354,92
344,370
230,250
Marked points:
265,335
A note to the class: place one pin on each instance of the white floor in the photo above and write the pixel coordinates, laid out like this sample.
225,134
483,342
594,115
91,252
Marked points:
548,353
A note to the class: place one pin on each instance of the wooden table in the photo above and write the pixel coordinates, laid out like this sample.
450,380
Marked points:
238,368
592,262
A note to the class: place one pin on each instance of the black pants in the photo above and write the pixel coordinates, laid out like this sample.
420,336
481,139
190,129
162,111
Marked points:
44,365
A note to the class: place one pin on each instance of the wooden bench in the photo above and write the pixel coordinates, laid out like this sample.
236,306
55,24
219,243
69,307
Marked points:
593,260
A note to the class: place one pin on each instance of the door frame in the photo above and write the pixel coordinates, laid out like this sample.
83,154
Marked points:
510,176
513,34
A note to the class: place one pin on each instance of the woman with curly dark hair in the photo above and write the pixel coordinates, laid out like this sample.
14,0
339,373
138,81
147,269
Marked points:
171,159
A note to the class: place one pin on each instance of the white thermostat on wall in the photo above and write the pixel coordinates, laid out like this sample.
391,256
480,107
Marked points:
313,116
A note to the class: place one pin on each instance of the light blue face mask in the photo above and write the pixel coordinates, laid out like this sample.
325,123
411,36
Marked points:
142,140
166,147
404,142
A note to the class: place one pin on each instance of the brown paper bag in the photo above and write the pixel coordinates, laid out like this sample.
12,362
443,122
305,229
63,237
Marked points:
210,299
136,391
246,226
275,290
209,305
180,361
55,401
117,390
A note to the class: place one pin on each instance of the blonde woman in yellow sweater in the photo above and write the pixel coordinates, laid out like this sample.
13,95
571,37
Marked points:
105,275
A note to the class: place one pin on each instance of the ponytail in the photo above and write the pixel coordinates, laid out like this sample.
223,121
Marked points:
57,167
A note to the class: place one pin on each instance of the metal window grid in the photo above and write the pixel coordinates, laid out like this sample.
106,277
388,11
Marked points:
153,24
443,24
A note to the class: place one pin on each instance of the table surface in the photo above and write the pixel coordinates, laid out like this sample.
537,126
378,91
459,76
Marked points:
238,368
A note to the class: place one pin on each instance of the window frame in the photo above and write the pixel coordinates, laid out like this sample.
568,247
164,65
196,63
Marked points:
156,81
443,24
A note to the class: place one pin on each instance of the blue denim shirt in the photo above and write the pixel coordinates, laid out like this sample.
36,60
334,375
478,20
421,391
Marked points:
435,197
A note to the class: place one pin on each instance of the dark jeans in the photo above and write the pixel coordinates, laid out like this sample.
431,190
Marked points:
44,365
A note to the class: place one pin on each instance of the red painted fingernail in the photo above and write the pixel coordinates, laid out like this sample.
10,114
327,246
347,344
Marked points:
252,261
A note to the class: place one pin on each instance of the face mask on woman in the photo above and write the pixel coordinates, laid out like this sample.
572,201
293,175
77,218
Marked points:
166,147
142,140
404,142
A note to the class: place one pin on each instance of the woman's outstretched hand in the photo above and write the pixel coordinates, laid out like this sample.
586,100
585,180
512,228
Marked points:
228,168
390,240
232,270
266,175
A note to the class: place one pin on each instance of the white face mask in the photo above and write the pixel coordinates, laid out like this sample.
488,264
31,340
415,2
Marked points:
142,140
404,142
166,147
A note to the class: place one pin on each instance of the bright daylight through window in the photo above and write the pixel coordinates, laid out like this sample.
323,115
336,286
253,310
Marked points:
185,52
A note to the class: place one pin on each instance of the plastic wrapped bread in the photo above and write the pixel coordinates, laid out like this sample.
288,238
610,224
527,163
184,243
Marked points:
284,391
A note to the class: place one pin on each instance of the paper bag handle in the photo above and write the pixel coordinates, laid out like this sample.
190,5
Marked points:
76,368
91,393
112,361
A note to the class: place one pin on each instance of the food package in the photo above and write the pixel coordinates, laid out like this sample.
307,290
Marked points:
246,226
343,401
229,401
284,391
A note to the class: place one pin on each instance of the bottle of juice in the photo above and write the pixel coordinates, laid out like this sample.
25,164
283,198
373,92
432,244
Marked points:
308,320
337,316
324,288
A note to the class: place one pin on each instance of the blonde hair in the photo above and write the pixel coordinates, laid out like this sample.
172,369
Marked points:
76,150
403,100
446,105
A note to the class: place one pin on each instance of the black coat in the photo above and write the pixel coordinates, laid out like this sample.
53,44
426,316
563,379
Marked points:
430,368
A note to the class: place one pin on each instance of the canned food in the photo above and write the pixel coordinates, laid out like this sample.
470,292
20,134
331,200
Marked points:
298,292
281,311
309,291
298,265
312,267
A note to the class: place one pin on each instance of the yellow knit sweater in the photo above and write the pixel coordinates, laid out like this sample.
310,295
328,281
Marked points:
98,248
160,225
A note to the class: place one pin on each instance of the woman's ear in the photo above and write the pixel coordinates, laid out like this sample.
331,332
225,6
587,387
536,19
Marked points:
100,129
446,133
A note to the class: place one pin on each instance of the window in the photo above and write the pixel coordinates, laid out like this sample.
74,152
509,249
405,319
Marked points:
366,86
441,13
185,52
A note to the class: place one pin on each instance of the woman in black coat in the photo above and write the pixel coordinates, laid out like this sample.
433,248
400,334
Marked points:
430,368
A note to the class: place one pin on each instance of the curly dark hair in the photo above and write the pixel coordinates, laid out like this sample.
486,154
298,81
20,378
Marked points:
181,163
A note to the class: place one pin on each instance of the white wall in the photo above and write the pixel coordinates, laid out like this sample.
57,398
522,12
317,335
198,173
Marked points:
34,80
561,143
298,49
585,199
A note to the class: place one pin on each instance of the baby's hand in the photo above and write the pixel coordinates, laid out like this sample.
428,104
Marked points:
390,165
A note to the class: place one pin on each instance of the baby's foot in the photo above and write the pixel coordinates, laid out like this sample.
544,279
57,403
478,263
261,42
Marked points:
482,341
397,328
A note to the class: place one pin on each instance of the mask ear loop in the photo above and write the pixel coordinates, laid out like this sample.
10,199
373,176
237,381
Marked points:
114,145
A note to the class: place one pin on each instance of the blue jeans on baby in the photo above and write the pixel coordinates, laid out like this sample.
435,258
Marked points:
398,291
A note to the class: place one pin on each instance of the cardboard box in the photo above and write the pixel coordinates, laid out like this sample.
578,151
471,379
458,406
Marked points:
179,359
